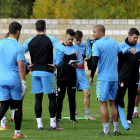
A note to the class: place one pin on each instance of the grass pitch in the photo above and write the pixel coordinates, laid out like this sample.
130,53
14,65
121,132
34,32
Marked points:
84,130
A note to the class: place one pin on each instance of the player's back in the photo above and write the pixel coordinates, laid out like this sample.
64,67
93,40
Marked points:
108,50
9,51
82,48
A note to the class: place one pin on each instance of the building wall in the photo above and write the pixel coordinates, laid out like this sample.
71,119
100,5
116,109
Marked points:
116,29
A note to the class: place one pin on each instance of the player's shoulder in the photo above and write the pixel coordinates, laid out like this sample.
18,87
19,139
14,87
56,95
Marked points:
97,43
75,47
51,38
20,46
137,45
123,45
114,41
29,40
3,40
83,44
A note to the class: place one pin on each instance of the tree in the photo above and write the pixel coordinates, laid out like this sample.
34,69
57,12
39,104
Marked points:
16,8
48,9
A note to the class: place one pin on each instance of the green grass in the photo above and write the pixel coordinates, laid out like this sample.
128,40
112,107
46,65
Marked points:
85,130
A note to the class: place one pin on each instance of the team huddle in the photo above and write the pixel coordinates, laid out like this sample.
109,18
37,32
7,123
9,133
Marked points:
118,69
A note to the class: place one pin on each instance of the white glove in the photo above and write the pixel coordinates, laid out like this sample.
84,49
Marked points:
24,88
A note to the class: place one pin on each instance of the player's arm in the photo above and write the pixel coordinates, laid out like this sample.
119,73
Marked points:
127,49
59,49
120,58
26,45
21,68
88,49
139,85
94,63
28,66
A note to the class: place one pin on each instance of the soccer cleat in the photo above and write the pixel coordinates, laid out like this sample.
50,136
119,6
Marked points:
12,120
6,121
6,128
58,121
88,116
135,115
56,128
41,128
111,122
20,136
73,121
117,133
102,133
130,122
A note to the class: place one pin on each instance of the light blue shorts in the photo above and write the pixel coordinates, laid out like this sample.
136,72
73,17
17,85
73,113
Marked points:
11,91
106,90
45,84
82,81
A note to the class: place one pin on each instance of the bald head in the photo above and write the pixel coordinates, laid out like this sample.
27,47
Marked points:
98,32
100,28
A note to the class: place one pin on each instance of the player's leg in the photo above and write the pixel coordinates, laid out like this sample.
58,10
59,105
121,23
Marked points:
12,113
77,85
4,107
38,110
37,89
114,109
76,115
71,97
50,89
132,92
104,116
87,104
102,90
122,86
16,103
3,121
59,104
86,100
18,118
135,114
52,109
4,101
83,84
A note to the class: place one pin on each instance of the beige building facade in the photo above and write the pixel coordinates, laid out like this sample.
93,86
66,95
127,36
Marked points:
116,29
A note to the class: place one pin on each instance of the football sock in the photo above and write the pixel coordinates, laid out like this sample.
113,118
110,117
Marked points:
12,113
106,127
116,126
135,109
87,111
3,122
53,122
17,132
39,122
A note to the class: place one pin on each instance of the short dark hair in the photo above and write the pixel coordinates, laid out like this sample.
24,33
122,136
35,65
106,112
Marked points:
40,25
71,32
133,31
78,35
100,27
14,27
7,35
